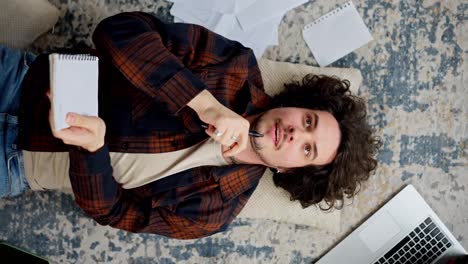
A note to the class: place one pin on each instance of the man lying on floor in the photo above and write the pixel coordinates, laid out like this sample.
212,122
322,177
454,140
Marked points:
146,164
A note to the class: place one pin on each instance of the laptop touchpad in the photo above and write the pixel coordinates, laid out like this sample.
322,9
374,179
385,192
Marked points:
380,230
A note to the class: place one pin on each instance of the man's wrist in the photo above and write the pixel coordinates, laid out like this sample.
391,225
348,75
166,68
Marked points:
202,101
94,147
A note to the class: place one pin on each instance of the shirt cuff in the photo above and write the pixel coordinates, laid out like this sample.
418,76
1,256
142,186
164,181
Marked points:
85,162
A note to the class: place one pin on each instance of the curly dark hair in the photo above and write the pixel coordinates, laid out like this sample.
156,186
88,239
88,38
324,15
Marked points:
354,160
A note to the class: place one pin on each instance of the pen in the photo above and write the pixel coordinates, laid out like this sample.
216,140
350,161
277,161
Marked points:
252,133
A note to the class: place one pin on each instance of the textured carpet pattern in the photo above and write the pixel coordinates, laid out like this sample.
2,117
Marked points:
414,80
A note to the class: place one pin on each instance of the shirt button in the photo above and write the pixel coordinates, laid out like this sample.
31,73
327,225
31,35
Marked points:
175,143
124,146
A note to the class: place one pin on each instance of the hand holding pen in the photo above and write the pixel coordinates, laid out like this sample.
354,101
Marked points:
225,126
233,140
252,133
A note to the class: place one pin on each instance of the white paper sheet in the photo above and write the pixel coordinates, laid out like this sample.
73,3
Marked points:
221,6
226,25
263,10
336,34
242,4
222,17
193,15
259,37
74,86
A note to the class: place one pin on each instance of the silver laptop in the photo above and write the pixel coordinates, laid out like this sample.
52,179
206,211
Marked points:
404,230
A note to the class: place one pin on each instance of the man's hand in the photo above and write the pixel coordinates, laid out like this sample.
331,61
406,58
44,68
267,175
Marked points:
225,126
84,131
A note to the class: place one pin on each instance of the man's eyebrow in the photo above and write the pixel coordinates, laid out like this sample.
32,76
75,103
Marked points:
316,119
315,152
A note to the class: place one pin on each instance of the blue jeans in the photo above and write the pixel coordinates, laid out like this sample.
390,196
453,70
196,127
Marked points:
13,66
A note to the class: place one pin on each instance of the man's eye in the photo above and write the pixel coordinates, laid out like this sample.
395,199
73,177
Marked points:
308,122
307,149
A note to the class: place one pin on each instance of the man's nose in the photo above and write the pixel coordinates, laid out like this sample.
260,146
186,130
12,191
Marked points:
294,133
291,133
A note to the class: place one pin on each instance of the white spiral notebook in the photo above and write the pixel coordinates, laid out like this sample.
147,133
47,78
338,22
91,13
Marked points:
336,34
73,86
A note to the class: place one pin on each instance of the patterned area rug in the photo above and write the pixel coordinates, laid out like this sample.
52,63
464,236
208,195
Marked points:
414,80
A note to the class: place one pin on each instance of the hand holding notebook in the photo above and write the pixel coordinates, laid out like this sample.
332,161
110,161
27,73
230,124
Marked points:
73,86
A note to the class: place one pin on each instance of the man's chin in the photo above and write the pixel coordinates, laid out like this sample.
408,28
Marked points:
257,144
260,145
254,124
262,150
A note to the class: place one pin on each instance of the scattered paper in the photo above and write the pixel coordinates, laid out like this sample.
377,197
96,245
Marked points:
254,23
263,10
336,34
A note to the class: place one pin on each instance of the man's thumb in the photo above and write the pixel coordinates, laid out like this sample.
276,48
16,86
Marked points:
71,118
74,119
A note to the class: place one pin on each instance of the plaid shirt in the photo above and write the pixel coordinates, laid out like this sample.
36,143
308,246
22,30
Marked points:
148,72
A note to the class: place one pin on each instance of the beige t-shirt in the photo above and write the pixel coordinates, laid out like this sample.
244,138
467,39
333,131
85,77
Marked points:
49,170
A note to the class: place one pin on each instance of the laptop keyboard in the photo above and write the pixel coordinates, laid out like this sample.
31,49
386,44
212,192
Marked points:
422,246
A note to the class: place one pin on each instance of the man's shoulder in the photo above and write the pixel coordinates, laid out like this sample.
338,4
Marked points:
238,180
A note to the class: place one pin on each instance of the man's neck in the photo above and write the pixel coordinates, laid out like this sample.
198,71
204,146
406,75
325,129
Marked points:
247,156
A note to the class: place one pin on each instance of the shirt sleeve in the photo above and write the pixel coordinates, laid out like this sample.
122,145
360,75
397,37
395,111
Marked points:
159,59
198,215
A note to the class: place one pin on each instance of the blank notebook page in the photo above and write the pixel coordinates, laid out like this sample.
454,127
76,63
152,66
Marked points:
336,34
74,86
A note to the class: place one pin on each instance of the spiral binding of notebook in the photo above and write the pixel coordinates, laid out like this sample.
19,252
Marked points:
79,57
329,14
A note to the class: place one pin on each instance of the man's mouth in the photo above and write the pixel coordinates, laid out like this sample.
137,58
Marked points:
276,134
277,139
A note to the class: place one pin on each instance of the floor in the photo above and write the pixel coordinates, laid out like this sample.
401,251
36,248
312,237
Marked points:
414,78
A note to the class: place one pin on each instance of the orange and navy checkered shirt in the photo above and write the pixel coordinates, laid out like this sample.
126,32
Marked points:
148,72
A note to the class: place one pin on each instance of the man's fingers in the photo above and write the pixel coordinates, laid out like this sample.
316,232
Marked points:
243,142
72,135
231,150
87,132
236,148
235,141
88,122
218,135
210,131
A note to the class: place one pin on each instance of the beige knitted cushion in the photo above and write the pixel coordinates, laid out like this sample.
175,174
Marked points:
22,21
270,202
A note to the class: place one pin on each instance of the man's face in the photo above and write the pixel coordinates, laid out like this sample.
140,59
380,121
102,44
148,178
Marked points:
296,137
